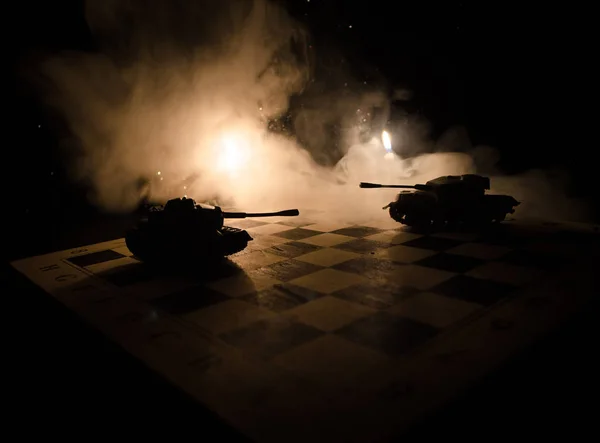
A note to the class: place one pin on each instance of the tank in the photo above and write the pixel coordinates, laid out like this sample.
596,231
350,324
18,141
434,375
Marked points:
183,230
449,200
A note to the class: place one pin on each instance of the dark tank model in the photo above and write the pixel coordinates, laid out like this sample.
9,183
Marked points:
451,200
183,230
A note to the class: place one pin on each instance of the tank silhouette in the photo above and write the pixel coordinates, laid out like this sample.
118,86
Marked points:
185,231
449,200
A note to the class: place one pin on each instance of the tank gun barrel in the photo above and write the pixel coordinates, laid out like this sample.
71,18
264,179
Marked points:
286,213
377,185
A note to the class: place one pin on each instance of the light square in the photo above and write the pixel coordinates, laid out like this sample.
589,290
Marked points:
256,259
329,313
393,237
327,257
228,316
271,228
327,240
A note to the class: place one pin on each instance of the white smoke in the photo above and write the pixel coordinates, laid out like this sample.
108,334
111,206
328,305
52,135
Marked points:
187,89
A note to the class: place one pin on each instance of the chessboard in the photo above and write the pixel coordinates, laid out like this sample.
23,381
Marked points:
326,331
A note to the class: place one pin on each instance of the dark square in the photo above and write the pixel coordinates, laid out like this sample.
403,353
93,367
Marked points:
521,257
362,246
297,234
292,249
576,238
299,292
95,257
279,298
189,300
432,243
244,223
297,222
357,231
376,294
507,236
474,290
387,333
289,270
450,262
128,275
370,267
267,338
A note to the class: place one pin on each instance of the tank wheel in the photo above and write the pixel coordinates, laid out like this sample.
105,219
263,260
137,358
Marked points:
498,218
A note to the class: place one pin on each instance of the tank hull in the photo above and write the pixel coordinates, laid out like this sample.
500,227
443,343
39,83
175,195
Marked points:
423,209
154,245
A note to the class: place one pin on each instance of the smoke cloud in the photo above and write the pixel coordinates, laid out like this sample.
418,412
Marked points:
181,97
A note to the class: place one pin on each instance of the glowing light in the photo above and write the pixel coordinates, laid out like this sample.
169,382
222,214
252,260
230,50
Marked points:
234,153
387,141
158,173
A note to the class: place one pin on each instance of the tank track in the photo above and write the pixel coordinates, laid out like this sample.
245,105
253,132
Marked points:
239,241
485,219
227,241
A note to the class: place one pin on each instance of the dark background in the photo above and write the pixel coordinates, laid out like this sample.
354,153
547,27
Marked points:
518,77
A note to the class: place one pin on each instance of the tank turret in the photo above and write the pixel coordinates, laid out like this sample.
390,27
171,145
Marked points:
448,200
183,230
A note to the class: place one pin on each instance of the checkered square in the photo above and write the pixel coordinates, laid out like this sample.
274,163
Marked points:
436,310
329,313
536,260
281,297
328,280
388,333
451,262
297,234
362,246
230,315
432,243
327,239
473,290
297,222
189,300
330,361
370,267
256,259
327,257
393,237
292,249
376,294
292,269
357,231
270,337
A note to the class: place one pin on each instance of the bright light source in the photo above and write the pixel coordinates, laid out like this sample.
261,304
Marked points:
387,141
234,153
